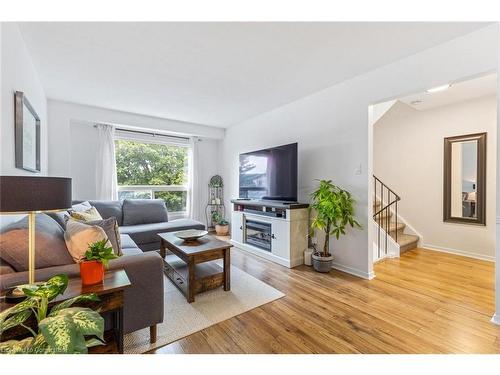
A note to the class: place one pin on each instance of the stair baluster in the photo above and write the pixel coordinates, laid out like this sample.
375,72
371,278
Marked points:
382,216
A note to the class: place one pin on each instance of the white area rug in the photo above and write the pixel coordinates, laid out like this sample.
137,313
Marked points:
182,318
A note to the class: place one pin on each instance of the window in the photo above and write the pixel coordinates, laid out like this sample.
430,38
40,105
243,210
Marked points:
150,167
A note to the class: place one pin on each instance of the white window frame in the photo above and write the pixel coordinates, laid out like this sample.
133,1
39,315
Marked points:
154,138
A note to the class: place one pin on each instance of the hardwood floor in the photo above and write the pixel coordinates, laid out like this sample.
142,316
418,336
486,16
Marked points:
423,302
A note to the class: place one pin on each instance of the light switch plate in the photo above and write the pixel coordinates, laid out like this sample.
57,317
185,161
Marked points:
357,171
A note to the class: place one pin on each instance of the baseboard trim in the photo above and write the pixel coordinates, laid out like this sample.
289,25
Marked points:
263,254
495,319
488,258
353,271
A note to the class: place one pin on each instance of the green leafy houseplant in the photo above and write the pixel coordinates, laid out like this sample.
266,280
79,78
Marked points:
334,208
63,329
221,224
95,261
100,252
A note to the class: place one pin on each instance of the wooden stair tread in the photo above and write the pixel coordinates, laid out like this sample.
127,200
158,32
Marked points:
407,242
383,215
400,226
405,239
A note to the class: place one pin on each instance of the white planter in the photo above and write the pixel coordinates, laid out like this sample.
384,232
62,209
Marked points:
308,256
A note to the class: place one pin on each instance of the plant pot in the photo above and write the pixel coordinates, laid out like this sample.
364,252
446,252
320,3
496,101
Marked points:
322,263
91,272
221,230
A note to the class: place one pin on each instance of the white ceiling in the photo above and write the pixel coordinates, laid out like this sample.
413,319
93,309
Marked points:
458,92
215,73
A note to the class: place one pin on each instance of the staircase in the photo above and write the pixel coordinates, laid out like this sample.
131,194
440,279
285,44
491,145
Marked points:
385,215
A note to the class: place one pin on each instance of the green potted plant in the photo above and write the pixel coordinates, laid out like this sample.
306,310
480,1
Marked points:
334,209
221,224
60,329
96,259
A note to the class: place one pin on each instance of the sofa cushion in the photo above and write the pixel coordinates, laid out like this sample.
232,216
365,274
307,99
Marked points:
110,227
109,209
144,211
50,248
83,206
88,215
5,268
62,216
145,233
127,242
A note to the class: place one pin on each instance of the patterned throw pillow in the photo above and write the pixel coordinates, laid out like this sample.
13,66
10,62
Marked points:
110,227
79,236
88,215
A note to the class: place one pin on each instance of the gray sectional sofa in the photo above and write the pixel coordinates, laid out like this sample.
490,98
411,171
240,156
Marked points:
139,223
142,220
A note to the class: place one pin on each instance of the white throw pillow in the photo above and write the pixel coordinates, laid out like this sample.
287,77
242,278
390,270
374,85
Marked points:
79,236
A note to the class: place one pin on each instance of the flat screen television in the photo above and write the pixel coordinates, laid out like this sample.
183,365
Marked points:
269,174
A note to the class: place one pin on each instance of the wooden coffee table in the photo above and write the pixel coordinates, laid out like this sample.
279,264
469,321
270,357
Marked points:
191,265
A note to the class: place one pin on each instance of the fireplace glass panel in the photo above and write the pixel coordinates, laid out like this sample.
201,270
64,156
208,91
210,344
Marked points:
258,234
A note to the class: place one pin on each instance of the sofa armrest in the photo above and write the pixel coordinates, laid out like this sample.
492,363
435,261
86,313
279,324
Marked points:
144,299
17,278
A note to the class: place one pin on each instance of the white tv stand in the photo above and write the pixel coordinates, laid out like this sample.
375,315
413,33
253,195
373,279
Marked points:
273,230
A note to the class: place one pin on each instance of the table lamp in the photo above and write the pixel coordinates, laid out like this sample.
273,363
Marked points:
31,195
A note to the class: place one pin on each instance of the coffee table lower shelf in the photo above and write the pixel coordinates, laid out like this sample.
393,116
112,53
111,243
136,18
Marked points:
207,276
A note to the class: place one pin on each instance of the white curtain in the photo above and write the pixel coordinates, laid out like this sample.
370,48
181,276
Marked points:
194,180
107,185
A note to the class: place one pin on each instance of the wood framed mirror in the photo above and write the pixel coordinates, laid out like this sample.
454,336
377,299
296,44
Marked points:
27,134
464,199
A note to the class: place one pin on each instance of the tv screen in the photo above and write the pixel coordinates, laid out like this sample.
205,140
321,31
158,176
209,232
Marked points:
269,174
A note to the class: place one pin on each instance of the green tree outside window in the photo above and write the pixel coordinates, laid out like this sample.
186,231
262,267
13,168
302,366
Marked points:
141,163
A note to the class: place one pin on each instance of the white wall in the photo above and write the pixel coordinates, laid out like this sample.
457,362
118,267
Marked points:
19,74
209,159
331,128
73,144
1,95
62,114
408,157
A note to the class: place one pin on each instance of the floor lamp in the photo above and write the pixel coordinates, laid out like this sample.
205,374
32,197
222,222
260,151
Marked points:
31,195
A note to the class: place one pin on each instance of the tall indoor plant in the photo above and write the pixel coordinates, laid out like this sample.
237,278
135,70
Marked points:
59,329
334,209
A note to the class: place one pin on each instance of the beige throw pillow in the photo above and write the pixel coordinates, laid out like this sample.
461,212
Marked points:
79,236
88,215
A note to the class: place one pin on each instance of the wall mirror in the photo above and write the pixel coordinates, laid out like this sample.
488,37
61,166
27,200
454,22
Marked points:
465,179
27,134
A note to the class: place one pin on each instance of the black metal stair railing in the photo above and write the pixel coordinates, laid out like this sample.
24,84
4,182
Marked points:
388,201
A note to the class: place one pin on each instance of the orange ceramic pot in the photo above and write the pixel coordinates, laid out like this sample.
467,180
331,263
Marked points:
91,272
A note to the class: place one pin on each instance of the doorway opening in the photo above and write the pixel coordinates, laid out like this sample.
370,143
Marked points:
434,171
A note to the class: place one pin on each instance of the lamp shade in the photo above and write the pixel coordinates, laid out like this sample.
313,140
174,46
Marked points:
26,193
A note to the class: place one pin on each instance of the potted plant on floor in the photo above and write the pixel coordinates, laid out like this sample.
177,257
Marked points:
221,224
61,329
96,260
334,209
